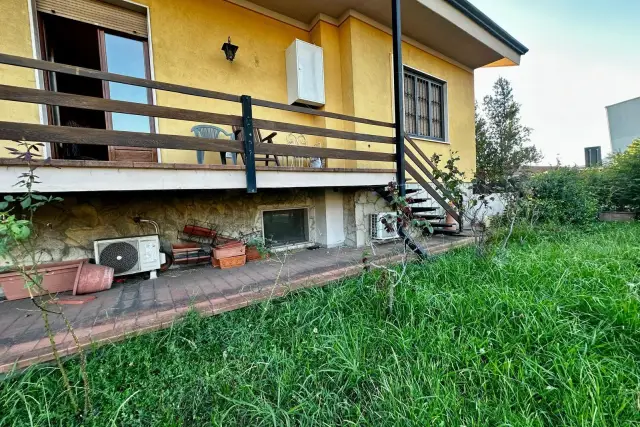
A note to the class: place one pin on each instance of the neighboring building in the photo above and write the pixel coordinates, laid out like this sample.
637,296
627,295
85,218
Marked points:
592,156
624,123
319,192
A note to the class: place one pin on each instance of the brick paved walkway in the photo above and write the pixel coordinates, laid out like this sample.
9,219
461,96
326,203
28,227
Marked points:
138,306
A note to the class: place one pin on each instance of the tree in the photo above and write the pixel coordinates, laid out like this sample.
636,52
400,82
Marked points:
501,140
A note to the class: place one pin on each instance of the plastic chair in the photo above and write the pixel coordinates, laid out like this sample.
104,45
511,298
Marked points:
213,132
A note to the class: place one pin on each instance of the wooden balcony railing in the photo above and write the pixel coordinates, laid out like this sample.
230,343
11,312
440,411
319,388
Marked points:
89,136
247,147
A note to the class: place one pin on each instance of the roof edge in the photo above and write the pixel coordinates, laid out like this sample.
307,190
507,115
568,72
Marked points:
473,13
637,98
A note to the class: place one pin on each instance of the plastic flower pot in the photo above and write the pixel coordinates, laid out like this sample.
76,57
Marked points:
229,250
56,277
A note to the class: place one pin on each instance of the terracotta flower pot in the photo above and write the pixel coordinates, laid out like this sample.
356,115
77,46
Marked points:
93,278
195,230
56,277
254,254
229,250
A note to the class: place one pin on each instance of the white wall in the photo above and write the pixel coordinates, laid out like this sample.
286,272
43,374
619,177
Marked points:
624,123
329,210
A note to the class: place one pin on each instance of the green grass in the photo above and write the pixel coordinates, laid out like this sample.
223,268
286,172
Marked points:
544,334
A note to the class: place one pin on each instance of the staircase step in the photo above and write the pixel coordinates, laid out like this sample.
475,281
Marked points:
442,225
430,217
447,232
418,209
412,190
416,201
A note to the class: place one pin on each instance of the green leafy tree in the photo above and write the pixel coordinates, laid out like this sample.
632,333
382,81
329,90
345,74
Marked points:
501,140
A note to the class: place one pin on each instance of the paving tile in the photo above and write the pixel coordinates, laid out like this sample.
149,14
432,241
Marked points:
148,305
146,318
23,347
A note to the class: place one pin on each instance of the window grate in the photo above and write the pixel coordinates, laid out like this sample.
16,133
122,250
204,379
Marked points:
424,106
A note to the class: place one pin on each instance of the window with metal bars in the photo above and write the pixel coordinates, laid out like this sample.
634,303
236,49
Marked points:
424,106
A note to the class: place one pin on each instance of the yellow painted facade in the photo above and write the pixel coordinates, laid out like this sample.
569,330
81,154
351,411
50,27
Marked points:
186,37
15,39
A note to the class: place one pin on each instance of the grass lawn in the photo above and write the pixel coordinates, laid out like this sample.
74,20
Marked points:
546,333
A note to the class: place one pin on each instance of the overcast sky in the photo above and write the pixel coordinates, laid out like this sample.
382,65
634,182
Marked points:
583,55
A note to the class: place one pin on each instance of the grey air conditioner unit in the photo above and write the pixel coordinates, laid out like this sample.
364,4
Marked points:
129,255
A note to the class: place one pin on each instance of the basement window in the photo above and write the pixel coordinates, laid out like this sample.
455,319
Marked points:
285,227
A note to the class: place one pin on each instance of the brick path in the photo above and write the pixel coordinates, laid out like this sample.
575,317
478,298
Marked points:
139,306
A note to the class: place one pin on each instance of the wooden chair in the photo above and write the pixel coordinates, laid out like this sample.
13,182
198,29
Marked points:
258,139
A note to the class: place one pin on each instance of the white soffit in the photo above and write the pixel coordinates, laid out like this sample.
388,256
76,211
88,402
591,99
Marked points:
435,24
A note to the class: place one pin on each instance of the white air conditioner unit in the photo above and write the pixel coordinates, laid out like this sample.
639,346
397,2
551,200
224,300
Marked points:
129,255
378,229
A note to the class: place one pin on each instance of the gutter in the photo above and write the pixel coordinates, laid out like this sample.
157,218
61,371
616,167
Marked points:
473,13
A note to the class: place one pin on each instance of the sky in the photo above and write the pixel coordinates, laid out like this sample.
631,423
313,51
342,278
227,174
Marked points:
583,55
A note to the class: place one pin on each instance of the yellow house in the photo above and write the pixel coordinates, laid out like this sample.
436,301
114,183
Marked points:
315,78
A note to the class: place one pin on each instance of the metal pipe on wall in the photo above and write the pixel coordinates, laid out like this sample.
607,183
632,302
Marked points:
398,94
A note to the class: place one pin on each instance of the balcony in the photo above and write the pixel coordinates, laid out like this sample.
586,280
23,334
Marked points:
57,175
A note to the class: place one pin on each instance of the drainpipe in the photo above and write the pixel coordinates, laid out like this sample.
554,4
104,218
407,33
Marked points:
398,80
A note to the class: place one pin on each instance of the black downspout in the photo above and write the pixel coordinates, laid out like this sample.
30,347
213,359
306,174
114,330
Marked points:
398,101
398,77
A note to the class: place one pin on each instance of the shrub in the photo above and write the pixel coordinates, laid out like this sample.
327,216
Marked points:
622,175
563,196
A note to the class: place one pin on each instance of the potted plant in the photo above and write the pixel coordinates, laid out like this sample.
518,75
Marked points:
256,249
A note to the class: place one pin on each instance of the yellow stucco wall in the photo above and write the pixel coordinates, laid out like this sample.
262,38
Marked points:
186,38
15,39
373,92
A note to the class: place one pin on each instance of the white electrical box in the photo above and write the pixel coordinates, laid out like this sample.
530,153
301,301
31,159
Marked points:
305,74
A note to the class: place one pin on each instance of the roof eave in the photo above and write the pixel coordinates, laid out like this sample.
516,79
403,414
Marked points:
473,13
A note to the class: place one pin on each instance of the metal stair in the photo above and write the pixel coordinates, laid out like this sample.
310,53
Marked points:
435,220
435,189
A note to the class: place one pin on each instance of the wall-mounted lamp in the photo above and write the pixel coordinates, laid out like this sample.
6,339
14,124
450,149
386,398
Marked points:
230,50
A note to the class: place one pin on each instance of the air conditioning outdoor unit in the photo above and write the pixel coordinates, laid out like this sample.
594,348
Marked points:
378,229
130,255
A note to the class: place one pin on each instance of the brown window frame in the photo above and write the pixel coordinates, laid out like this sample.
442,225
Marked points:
417,123
103,67
105,84
48,79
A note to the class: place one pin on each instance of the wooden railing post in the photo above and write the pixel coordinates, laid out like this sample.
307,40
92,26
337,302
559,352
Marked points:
249,149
